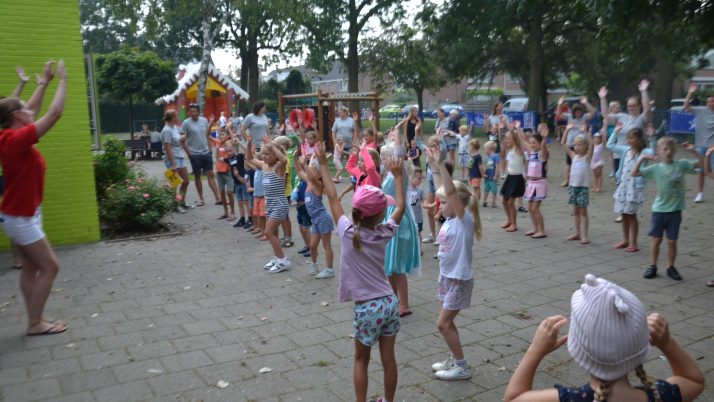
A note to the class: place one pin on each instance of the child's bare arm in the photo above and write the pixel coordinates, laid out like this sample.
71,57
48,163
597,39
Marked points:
636,170
707,162
394,164
692,150
250,158
450,190
328,185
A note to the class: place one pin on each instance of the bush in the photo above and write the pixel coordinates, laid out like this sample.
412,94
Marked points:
127,199
136,204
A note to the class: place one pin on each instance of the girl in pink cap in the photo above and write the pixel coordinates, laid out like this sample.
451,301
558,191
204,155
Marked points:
610,336
362,278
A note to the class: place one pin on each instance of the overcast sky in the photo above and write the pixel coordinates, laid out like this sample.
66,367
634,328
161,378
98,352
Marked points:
227,60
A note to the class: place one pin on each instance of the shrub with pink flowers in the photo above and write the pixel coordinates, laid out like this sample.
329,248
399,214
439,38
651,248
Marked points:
127,199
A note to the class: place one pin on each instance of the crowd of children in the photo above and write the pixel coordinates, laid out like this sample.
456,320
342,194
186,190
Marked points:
381,236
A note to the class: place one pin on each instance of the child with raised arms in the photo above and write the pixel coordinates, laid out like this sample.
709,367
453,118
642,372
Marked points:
460,208
537,188
579,181
362,278
609,336
515,185
669,201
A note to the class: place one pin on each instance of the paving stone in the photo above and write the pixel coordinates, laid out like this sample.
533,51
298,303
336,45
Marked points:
185,361
173,383
132,391
31,391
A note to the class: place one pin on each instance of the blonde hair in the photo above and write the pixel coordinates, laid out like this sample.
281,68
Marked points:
358,220
463,129
475,144
490,145
283,141
604,389
379,138
468,199
311,134
666,141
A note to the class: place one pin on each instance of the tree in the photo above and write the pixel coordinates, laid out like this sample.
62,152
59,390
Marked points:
209,30
526,38
400,57
129,74
269,92
334,27
294,84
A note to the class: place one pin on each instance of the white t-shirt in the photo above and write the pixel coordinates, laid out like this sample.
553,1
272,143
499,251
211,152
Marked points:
456,239
344,128
464,144
222,121
579,172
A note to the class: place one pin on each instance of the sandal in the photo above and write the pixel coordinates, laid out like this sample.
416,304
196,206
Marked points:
543,236
54,328
506,225
530,233
710,284
573,237
200,203
622,244
512,229
632,249
224,216
231,218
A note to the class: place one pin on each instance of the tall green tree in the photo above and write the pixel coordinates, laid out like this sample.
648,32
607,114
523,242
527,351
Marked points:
129,75
294,83
401,57
333,30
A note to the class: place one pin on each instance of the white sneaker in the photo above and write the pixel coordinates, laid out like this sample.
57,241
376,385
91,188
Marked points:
180,210
429,239
313,268
280,266
443,365
436,243
699,198
454,373
270,263
326,273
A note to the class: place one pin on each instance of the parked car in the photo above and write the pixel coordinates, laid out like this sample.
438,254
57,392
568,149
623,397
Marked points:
676,104
448,108
515,105
390,110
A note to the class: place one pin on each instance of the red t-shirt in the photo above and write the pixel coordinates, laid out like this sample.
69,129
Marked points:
24,171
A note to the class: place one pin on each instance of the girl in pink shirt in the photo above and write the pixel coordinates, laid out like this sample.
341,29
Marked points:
362,278
364,168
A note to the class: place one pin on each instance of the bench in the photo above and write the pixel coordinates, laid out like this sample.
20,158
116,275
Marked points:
136,146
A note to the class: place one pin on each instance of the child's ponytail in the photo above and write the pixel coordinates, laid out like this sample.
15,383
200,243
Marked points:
603,391
473,206
647,382
356,219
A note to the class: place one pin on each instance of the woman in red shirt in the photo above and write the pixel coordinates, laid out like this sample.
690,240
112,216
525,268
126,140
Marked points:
24,174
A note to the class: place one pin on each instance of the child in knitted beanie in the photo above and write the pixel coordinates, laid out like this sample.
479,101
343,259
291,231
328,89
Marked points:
610,335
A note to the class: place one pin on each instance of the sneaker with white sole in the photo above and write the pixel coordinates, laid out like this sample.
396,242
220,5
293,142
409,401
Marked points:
313,268
280,266
699,198
270,263
454,373
429,239
326,273
443,365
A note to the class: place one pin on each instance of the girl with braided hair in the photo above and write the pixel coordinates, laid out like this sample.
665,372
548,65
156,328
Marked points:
610,336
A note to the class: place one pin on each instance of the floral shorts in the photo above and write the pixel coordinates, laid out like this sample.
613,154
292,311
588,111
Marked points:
376,318
578,196
455,294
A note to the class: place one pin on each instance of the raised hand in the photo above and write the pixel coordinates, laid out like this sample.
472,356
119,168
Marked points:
517,124
659,330
48,71
570,125
21,74
650,158
547,337
692,89
61,71
584,100
561,100
320,153
687,146
644,85
394,165
618,126
602,93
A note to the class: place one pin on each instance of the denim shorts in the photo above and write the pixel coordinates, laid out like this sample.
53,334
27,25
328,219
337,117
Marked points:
665,222
241,192
302,216
376,318
703,151
178,160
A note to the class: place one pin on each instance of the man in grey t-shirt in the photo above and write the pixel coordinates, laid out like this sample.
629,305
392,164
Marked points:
196,130
343,127
703,133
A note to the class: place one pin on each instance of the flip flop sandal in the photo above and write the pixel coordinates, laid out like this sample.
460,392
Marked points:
632,249
620,245
50,331
223,217
405,314
511,229
218,203
200,203
539,237
530,233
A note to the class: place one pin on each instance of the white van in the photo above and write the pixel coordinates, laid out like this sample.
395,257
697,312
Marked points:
515,105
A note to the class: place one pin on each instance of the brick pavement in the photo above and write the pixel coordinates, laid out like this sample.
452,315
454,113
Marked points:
166,319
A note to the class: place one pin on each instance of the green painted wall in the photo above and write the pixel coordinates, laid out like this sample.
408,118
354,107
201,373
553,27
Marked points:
32,32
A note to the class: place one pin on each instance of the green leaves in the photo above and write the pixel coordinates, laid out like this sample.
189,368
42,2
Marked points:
130,74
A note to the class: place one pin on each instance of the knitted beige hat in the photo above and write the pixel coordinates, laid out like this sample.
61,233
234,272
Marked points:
608,329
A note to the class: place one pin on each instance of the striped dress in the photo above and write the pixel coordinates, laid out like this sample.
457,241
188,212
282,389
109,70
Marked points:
276,205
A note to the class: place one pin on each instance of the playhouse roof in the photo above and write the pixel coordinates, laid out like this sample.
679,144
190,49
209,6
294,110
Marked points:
191,77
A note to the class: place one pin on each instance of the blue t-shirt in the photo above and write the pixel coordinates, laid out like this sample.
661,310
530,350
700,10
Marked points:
302,186
668,393
491,164
474,171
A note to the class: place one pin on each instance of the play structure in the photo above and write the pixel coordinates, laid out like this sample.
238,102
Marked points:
222,94
324,106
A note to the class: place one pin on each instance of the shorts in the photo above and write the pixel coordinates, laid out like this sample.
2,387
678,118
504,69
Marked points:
578,196
201,163
259,206
568,160
337,163
475,182
225,181
376,318
536,190
455,294
23,230
302,216
277,208
703,151
490,186
241,192
452,147
420,226
665,222
514,186
180,162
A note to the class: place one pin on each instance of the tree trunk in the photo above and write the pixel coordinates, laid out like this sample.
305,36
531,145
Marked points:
420,100
663,82
253,72
243,106
131,118
536,61
205,58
